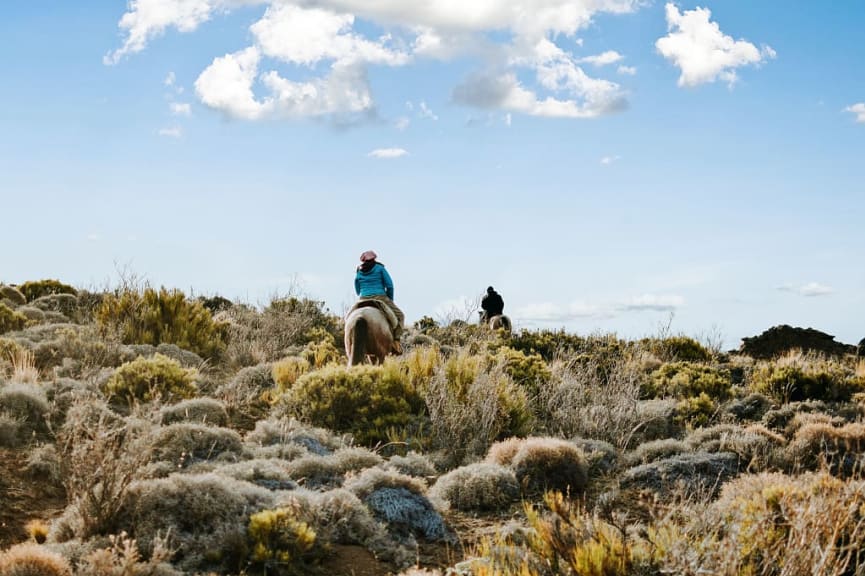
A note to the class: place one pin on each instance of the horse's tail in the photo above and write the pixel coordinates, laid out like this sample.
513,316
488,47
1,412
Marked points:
360,335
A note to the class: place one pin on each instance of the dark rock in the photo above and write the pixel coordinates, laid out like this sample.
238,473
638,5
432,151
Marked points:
780,339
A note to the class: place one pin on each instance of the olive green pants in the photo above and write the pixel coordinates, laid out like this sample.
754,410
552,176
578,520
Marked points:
400,317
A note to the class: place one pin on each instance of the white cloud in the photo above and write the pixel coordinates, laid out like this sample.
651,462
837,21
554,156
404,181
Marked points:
388,153
858,110
702,52
626,70
402,123
170,79
654,302
602,59
331,51
146,19
607,160
94,237
425,112
171,132
508,119
181,108
808,290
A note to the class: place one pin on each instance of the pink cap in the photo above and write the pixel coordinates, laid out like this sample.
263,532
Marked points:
367,256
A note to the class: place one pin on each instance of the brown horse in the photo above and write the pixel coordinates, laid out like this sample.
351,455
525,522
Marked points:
367,336
500,322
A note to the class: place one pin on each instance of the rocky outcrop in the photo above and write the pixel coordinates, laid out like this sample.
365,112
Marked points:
780,339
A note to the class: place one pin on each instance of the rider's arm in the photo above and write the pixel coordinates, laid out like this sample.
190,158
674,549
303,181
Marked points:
357,283
388,283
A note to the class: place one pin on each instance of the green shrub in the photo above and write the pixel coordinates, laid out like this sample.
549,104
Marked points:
202,410
526,370
26,403
65,304
279,541
10,319
248,395
184,444
677,349
840,449
38,288
688,380
547,343
362,400
148,379
656,450
543,464
287,371
164,316
696,411
12,294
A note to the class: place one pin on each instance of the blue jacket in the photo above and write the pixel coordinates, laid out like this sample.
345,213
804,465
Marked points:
373,283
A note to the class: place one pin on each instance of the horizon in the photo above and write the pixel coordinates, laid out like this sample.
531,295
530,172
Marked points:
609,166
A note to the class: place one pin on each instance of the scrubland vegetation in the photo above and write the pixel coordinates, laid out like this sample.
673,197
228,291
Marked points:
180,435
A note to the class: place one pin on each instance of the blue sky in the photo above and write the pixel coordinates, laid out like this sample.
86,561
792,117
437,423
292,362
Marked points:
603,163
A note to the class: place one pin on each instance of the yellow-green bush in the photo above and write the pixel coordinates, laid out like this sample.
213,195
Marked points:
322,352
148,379
287,371
547,343
10,319
527,370
279,541
677,349
688,380
38,288
362,400
807,379
696,411
163,316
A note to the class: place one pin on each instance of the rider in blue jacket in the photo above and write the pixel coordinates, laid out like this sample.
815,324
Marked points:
373,282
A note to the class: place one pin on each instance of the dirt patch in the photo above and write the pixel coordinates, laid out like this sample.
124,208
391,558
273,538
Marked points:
24,498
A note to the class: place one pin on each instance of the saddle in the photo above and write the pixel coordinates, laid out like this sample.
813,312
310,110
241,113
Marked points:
392,320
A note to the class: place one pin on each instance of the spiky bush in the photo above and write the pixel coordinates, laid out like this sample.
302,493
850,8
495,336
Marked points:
564,538
201,410
148,379
472,404
286,432
207,516
37,288
798,377
30,559
688,380
122,558
287,371
362,400
163,316
399,501
412,464
10,319
280,543
841,449
480,486
186,443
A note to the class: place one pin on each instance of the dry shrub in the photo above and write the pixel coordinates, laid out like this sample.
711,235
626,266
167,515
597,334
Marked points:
10,430
471,405
12,294
819,444
270,473
757,447
697,475
247,396
27,405
481,486
655,450
658,419
43,462
550,464
185,443
30,559
592,397
281,543
201,410
328,471
770,524
422,363
11,319
33,315
24,366
282,437
205,516
799,376
75,351
750,408
102,455
122,558
34,289
65,304
412,464
287,371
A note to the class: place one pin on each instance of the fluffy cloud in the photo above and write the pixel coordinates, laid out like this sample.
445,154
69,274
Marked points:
603,59
549,312
626,70
809,290
180,108
505,38
388,153
702,52
171,132
654,302
858,110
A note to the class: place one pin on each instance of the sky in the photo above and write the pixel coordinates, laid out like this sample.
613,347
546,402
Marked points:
621,166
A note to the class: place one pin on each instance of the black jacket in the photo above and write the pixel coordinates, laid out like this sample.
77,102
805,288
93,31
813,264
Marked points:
492,304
